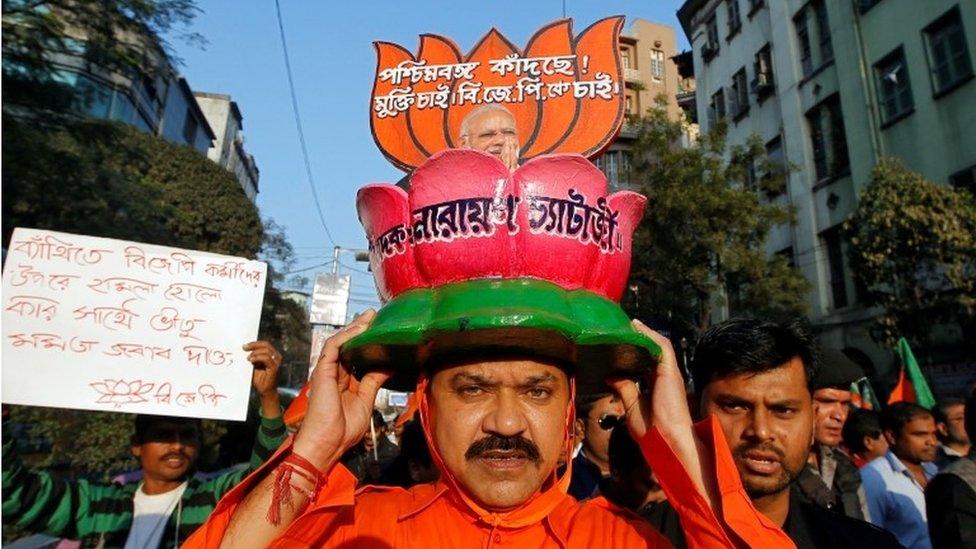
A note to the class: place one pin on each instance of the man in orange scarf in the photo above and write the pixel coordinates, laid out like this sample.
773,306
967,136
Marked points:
496,429
495,314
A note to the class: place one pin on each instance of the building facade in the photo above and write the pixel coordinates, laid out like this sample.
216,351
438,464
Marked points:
228,147
831,87
648,54
157,100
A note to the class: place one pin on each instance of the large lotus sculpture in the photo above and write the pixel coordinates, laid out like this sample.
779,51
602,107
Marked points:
419,101
476,255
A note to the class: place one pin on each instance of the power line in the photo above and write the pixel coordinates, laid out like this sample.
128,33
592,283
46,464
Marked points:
355,269
298,124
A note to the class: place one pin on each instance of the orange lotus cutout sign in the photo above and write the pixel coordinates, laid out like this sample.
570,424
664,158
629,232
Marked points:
564,92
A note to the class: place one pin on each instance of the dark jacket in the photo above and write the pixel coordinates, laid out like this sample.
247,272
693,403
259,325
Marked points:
844,495
585,482
809,525
950,503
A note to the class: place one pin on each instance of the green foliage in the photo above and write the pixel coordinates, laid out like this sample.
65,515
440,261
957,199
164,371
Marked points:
912,245
283,321
106,179
704,232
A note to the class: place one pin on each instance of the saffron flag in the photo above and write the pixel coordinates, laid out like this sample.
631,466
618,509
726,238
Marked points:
912,386
862,395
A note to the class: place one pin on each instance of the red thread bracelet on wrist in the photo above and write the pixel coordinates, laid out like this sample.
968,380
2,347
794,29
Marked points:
282,486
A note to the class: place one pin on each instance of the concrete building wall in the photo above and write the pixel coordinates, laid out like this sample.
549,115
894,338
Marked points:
836,68
228,147
647,52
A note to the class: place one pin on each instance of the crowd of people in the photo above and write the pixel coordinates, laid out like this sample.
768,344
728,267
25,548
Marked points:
827,473
767,451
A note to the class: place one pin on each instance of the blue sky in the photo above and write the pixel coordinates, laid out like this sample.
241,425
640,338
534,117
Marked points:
333,63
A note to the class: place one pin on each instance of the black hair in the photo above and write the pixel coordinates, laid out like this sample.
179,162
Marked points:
585,403
144,422
752,346
378,421
897,415
860,424
625,455
944,403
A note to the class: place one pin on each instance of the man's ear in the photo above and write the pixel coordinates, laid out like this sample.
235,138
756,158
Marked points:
579,430
942,428
890,437
136,450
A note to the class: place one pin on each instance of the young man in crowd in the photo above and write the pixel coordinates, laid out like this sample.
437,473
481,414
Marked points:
950,499
863,437
954,442
596,416
895,483
755,377
830,479
163,508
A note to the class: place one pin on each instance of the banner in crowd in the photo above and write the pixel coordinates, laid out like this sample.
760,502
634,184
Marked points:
565,92
101,324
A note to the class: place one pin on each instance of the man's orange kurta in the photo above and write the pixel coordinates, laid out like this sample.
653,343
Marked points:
435,515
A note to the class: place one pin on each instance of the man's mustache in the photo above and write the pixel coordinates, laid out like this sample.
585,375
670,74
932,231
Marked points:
491,443
175,454
765,447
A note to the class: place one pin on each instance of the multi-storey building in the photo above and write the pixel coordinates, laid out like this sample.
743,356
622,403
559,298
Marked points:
228,147
832,86
156,99
647,53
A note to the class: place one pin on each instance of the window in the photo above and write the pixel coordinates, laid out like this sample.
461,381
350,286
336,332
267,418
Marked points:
616,166
894,86
739,95
776,166
823,31
948,54
812,21
829,140
835,264
749,175
762,84
625,57
657,65
735,22
803,41
190,128
716,110
788,255
710,49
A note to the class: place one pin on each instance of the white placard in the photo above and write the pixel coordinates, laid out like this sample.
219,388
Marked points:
101,324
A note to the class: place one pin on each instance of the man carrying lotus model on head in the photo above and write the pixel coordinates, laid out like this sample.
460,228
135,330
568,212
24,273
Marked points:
496,334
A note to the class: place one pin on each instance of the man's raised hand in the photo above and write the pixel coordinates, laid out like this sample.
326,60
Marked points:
339,407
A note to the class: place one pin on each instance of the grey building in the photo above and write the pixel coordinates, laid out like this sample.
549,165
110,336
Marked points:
228,147
832,86
157,100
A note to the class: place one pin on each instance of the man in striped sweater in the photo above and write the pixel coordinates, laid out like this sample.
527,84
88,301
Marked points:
167,504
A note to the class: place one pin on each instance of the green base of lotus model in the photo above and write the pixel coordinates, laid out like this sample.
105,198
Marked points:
576,328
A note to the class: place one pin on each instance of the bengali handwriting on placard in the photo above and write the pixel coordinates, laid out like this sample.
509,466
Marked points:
125,326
